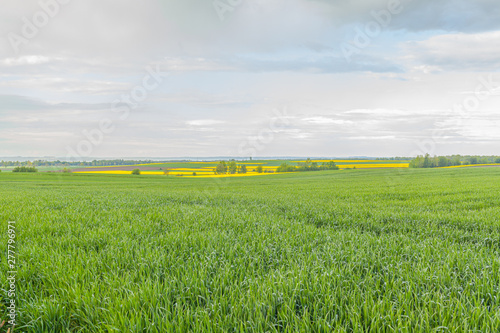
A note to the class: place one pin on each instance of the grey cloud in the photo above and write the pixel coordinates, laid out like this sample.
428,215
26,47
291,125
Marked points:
422,15
102,36
134,29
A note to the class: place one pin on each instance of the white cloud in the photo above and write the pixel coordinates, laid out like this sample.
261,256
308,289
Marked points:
26,60
204,122
326,121
67,85
382,137
460,51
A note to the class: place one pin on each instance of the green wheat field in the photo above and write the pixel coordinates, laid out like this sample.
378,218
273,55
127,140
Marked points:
411,250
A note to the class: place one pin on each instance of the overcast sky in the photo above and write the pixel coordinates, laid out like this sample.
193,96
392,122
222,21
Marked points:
249,77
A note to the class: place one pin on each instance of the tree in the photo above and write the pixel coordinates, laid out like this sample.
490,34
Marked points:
24,169
260,169
456,160
331,165
443,162
434,162
427,161
285,167
136,172
221,168
243,169
232,167
166,172
194,173
307,165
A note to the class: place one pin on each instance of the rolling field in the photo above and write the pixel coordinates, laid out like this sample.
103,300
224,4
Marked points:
406,250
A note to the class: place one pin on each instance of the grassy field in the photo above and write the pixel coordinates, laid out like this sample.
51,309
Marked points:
407,250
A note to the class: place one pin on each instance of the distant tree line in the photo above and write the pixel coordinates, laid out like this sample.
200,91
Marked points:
231,167
308,165
454,160
25,169
393,158
44,163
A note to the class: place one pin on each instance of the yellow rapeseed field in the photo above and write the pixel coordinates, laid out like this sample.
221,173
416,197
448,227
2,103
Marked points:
470,165
374,166
345,161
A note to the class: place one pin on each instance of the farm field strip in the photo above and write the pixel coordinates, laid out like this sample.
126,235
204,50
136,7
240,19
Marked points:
359,161
204,168
374,166
172,173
